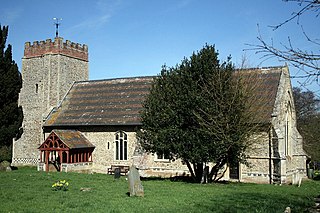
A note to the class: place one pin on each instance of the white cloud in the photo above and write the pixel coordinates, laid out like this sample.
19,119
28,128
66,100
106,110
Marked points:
95,22
9,16
105,11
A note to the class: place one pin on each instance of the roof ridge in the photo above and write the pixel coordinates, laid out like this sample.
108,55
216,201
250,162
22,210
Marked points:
261,68
118,78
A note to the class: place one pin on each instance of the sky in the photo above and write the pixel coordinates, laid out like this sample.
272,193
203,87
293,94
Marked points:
128,38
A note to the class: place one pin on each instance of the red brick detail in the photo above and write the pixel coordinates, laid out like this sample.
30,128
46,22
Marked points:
38,49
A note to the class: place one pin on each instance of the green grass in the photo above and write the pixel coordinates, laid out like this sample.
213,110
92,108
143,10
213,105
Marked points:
26,190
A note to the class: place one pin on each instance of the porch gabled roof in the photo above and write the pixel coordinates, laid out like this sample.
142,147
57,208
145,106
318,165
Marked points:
70,139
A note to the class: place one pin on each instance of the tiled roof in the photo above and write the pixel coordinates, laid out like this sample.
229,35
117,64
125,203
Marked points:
73,139
103,102
264,84
119,101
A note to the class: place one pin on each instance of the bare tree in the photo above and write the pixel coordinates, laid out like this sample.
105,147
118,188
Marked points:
305,60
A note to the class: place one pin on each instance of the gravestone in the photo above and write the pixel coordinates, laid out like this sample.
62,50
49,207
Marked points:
135,186
5,166
287,210
117,172
205,175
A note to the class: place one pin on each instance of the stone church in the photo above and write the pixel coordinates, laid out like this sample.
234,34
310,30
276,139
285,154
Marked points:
73,124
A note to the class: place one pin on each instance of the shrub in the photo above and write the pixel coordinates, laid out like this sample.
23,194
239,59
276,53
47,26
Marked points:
316,175
61,185
5,153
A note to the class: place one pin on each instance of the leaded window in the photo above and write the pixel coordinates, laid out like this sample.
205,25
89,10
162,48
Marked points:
121,141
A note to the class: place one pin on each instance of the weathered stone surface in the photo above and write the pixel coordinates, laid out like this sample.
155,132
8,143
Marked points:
135,186
47,75
117,174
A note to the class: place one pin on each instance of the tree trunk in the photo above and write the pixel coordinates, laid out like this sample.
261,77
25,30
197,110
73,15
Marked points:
215,169
221,175
196,172
191,170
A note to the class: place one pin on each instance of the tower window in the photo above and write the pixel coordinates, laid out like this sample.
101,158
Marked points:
37,88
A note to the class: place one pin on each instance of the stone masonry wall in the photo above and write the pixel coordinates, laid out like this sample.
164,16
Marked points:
48,71
285,126
105,149
258,161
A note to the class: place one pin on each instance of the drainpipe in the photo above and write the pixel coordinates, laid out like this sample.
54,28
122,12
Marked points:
270,155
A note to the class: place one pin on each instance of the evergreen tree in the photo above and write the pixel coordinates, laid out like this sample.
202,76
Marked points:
10,84
196,111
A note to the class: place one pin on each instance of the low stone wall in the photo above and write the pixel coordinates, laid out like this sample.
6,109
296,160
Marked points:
83,167
163,172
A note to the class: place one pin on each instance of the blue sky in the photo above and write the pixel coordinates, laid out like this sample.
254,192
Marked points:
136,37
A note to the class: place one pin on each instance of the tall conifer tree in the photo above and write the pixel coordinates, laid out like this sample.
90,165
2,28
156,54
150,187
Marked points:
197,112
11,115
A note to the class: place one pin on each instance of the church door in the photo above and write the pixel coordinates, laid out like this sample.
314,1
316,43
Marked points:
234,172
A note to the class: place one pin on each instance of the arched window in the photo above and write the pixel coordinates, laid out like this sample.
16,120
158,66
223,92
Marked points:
121,141
287,130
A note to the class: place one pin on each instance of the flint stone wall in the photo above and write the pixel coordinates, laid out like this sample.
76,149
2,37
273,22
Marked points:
103,156
47,75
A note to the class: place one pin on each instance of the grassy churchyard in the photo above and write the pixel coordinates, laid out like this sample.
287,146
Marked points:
26,190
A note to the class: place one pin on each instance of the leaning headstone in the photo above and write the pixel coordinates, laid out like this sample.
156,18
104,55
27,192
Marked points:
135,186
8,169
117,172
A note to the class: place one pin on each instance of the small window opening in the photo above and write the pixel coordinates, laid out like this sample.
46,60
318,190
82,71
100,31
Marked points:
37,88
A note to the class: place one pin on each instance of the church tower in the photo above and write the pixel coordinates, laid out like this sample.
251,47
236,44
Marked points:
49,69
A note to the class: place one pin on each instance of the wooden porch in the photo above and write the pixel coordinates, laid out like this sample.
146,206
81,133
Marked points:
65,147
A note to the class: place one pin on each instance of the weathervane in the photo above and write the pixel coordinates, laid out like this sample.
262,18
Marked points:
57,23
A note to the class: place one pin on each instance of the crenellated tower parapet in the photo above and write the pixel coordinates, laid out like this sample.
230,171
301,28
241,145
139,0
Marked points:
68,48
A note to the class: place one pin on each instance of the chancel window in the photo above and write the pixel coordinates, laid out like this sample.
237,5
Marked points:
121,141
288,131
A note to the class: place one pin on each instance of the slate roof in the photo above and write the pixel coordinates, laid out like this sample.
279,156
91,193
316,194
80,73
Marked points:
119,101
73,139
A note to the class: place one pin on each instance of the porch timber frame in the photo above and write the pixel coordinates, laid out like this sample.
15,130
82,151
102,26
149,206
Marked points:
53,150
